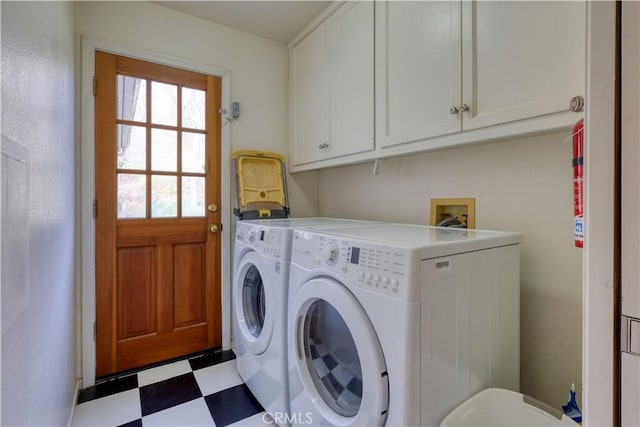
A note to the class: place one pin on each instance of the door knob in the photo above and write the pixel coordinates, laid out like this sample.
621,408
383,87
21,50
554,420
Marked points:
213,228
212,207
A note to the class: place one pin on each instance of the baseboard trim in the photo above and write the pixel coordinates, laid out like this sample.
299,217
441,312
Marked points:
73,403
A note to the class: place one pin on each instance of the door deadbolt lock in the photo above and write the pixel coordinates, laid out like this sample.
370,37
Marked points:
212,207
213,228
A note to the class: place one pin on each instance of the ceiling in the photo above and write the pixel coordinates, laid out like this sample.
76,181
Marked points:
275,20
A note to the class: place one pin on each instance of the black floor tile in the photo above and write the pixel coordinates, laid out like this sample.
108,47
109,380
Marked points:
210,359
134,423
168,393
232,404
108,388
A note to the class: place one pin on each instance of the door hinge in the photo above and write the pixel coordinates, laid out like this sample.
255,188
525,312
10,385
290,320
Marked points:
95,208
94,85
95,331
630,335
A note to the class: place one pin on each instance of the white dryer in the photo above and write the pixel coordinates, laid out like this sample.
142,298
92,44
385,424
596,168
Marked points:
397,324
259,297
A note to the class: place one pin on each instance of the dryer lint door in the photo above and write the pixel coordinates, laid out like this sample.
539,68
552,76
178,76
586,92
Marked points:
253,304
339,359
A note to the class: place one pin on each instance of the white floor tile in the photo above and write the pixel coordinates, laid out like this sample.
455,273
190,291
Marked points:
163,372
217,377
112,410
259,419
191,414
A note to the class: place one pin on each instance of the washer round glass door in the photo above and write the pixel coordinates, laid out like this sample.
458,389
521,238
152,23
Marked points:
340,360
253,299
332,358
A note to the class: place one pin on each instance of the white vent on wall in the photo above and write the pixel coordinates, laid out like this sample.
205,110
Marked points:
15,231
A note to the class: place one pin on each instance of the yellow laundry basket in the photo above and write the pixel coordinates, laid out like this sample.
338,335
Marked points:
261,187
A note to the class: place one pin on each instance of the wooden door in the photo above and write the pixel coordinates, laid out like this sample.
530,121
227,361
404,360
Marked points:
157,192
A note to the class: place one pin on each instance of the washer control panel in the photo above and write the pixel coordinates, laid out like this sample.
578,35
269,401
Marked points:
265,240
379,268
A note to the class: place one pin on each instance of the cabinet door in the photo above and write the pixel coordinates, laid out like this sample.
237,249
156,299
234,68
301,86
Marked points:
309,98
418,70
521,59
350,62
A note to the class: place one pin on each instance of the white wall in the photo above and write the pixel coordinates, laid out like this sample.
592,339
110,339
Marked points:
39,364
259,70
523,185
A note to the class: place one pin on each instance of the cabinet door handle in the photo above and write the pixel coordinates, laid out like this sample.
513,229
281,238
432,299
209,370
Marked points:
320,147
463,108
454,110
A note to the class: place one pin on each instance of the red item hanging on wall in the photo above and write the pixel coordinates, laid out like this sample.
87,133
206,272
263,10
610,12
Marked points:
578,182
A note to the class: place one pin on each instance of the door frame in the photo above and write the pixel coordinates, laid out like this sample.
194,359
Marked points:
87,190
599,401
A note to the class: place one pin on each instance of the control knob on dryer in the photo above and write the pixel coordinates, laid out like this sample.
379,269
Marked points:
331,253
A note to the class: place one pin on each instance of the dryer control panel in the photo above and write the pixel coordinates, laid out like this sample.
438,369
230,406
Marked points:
270,241
385,269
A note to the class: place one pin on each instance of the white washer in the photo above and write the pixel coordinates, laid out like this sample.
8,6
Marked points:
259,294
397,324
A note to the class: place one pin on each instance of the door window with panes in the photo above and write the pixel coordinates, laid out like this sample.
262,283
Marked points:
160,149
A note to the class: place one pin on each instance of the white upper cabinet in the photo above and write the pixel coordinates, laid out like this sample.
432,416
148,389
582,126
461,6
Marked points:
309,115
331,72
418,70
447,74
447,67
521,59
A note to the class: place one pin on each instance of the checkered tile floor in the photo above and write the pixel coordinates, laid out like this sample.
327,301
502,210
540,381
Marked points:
205,390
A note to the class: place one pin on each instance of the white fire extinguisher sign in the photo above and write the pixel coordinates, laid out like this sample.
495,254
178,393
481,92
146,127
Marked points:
578,233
